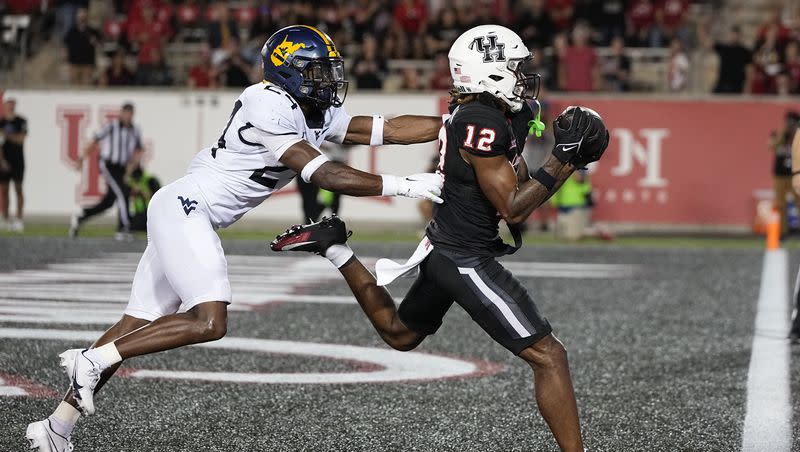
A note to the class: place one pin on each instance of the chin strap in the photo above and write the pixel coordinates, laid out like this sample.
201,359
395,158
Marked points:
536,126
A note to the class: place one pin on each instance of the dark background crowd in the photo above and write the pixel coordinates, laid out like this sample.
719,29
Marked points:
580,45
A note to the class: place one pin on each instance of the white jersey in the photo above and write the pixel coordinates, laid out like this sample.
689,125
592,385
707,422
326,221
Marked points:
243,168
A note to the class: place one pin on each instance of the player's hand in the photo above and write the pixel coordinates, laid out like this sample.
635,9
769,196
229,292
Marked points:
581,139
4,165
569,129
423,185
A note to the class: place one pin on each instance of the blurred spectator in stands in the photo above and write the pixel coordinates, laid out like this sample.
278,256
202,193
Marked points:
66,11
616,67
187,13
411,16
533,24
671,16
733,60
609,19
441,79
221,28
579,64
677,67
774,26
757,81
783,85
395,44
557,79
156,72
641,20
791,61
370,68
202,75
705,64
369,17
561,12
443,31
233,70
147,35
768,53
411,80
118,73
263,25
81,41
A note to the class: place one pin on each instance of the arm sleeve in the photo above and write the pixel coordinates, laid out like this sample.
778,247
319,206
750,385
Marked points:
485,134
103,132
340,121
273,123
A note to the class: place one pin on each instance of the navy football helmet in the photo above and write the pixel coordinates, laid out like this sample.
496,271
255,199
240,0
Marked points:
304,62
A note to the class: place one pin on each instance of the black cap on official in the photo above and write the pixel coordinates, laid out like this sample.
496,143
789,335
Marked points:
127,106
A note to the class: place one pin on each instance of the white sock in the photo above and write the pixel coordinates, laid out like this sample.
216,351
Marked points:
106,355
63,419
339,254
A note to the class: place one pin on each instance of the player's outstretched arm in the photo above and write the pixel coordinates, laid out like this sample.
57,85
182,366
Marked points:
314,167
405,129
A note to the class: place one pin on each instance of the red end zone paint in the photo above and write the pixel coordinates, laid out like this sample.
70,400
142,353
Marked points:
32,389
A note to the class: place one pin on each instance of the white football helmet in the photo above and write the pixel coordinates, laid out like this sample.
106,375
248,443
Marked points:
491,58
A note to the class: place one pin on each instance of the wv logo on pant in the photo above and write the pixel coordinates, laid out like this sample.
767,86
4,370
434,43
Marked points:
188,204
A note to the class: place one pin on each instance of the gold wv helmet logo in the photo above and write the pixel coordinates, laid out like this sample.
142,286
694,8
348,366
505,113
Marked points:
284,50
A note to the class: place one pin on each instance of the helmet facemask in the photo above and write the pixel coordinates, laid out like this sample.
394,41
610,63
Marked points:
527,83
323,81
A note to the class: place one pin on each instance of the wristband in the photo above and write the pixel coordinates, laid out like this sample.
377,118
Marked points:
545,178
376,138
312,166
390,185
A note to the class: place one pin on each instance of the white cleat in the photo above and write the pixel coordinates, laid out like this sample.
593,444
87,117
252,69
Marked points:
74,225
17,226
43,439
83,374
123,236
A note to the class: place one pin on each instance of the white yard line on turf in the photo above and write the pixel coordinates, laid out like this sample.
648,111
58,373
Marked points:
768,422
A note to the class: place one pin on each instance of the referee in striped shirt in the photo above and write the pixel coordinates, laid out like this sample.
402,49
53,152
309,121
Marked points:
120,145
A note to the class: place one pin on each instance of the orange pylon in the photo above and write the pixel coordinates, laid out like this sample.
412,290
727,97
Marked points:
774,230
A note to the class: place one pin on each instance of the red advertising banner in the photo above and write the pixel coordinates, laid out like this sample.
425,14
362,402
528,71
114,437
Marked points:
682,162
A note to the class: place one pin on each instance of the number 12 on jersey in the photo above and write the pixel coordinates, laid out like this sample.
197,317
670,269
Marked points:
485,140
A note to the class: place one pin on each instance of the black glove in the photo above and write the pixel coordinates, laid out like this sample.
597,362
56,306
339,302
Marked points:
584,139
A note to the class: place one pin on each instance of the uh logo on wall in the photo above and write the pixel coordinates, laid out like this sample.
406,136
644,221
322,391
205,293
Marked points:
77,125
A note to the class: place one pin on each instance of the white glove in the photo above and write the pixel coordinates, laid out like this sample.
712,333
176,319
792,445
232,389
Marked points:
424,185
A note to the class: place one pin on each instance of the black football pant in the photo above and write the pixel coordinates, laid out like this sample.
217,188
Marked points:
117,193
489,293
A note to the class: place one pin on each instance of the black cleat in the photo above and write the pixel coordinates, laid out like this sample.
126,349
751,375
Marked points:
314,237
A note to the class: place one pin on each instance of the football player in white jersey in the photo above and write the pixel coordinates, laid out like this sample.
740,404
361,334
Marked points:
273,133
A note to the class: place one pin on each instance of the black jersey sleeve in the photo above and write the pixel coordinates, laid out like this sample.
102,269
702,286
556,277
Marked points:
481,130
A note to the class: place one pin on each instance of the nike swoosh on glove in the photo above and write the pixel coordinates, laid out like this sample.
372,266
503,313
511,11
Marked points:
569,140
423,185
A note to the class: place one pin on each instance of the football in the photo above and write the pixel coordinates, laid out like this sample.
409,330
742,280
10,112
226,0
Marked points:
565,118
